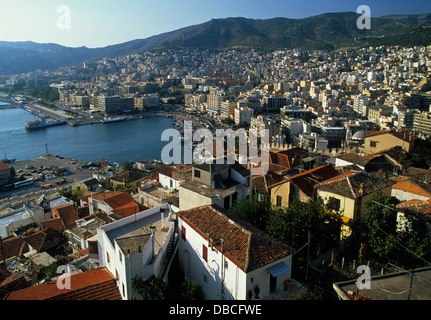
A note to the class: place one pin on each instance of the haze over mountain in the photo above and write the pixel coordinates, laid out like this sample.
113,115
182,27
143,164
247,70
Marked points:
328,31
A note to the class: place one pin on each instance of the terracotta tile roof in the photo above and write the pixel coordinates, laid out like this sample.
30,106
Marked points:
410,186
167,170
262,182
354,184
45,240
3,166
119,200
81,253
405,136
54,223
418,208
246,246
289,158
96,284
13,247
307,180
11,281
67,213
355,158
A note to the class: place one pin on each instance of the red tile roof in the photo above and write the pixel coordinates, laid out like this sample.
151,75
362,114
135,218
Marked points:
418,208
306,180
96,284
54,223
246,246
67,213
3,166
13,247
354,184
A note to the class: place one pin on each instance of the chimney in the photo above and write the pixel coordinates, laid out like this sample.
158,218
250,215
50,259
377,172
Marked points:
361,189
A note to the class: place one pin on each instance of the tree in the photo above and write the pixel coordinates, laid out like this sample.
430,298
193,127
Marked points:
292,225
253,211
127,166
378,228
151,288
190,290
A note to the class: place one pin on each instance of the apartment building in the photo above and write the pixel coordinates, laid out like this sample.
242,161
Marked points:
137,245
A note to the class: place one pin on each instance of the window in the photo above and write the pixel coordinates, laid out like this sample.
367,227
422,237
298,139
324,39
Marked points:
117,275
197,174
227,202
183,232
205,252
108,258
373,144
333,204
279,200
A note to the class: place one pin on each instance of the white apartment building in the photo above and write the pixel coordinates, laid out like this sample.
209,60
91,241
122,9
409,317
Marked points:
243,114
229,258
137,245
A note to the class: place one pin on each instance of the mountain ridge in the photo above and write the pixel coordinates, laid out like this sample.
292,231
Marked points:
328,31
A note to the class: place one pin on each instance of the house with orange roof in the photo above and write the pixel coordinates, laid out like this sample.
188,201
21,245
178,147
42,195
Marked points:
406,189
4,173
95,284
67,213
300,186
229,257
413,209
117,203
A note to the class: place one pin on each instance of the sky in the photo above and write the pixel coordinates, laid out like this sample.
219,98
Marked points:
99,23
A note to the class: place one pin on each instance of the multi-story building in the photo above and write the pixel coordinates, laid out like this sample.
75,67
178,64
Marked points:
295,112
422,122
273,103
243,114
231,259
220,184
360,104
406,118
227,109
265,123
147,101
108,104
141,244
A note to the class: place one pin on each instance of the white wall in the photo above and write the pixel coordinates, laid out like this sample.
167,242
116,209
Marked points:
405,195
236,282
197,269
165,181
130,264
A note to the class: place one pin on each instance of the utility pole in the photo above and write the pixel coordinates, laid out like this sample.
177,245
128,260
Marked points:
411,283
46,148
2,251
308,256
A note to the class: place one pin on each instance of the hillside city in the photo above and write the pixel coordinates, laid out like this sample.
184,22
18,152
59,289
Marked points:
343,212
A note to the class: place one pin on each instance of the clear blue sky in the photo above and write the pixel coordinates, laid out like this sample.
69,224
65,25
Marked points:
97,23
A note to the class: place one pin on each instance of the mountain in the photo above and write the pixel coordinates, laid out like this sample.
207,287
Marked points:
328,31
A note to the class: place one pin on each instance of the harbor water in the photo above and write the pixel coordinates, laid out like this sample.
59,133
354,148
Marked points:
136,140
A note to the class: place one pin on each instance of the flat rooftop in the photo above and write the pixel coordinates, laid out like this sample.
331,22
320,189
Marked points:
392,286
132,235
